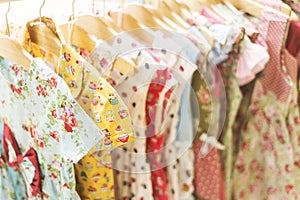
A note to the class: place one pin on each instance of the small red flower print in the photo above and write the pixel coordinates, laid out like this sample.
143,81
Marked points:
240,167
41,144
289,188
69,120
15,68
19,91
66,186
52,82
204,97
55,135
53,113
42,91
33,132
68,127
52,175
67,57
15,89
297,120
288,168
245,145
297,163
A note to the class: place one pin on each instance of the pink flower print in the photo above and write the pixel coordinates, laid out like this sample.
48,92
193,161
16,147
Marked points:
271,112
119,40
204,97
103,62
271,190
67,57
268,146
52,82
133,45
55,135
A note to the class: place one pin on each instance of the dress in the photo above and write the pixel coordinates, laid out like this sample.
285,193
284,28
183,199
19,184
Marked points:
12,183
265,164
102,103
49,121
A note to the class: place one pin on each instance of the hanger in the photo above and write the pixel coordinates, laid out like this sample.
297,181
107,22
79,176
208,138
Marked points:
165,10
75,34
284,8
96,25
11,49
43,36
165,17
252,7
142,15
128,23
178,8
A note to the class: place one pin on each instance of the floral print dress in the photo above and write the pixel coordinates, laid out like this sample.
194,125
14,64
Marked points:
266,166
94,172
50,121
12,183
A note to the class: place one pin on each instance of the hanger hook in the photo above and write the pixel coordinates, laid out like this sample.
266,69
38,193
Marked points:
6,19
104,7
41,7
73,9
93,7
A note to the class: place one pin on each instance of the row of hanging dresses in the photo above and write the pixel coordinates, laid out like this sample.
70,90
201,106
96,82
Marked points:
79,106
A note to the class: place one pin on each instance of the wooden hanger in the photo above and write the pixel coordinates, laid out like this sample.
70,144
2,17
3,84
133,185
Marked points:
11,49
78,37
169,12
249,6
142,15
177,8
95,26
284,8
128,23
43,36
